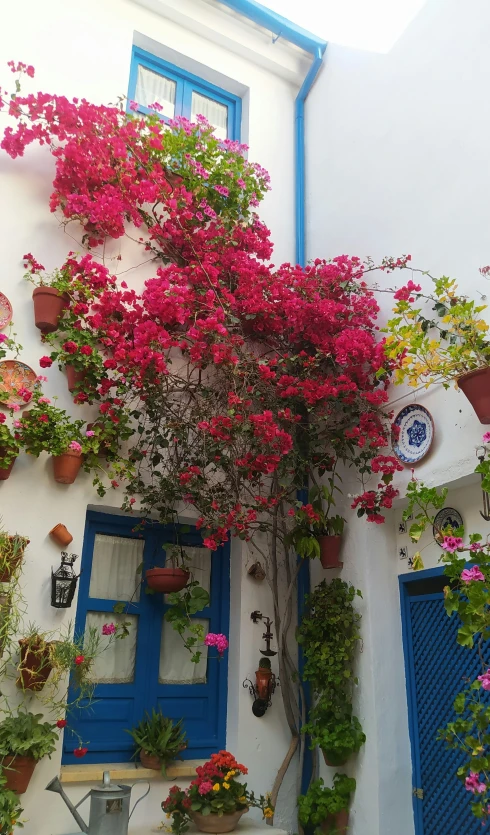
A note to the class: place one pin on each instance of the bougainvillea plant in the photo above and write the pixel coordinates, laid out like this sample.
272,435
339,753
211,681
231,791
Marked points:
238,382
467,566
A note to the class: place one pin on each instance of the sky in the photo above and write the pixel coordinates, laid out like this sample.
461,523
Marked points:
374,25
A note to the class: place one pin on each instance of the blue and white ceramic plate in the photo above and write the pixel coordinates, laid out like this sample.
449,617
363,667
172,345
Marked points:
416,434
447,519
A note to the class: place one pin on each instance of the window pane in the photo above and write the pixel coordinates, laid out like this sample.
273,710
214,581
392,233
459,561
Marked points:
115,665
152,87
114,564
213,111
176,666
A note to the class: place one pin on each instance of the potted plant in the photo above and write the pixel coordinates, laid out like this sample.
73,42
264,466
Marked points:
48,428
263,678
173,577
35,662
317,532
337,737
11,553
50,295
24,740
9,450
76,352
439,337
10,809
158,740
216,799
327,810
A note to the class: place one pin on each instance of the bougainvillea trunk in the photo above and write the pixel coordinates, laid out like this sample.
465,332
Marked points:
48,307
66,467
330,551
476,386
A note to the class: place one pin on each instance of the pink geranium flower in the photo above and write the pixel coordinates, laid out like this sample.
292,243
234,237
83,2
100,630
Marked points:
452,543
486,438
470,574
473,784
76,446
108,628
485,680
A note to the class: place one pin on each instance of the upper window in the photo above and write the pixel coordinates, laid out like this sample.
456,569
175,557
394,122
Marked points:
180,93
150,668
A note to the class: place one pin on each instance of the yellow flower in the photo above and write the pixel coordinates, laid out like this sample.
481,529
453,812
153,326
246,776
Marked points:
229,775
226,785
242,799
268,812
168,815
216,787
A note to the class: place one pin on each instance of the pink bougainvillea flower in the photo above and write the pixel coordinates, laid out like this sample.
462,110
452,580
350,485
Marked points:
452,543
473,573
473,783
108,628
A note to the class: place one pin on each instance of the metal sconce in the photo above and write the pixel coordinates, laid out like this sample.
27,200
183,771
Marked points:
481,455
64,582
265,680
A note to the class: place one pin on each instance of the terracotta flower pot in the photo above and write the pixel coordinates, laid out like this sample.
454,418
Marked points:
61,535
34,666
18,772
263,680
150,761
337,823
48,307
9,564
334,759
67,466
476,386
215,823
104,448
167,580
330,551
5,472
74,377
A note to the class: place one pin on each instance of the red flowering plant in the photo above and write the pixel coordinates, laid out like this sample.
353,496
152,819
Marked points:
216,790
243,382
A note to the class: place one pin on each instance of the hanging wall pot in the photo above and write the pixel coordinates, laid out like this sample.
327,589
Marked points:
476,386
167,580
35,663
61,535
330,551
74,377
67,466
48,307
11,556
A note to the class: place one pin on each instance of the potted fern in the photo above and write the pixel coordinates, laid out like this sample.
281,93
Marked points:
158,741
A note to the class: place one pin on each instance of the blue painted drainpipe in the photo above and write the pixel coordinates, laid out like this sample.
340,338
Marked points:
282,28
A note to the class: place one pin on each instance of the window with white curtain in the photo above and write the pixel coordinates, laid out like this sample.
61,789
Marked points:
180,93
150,668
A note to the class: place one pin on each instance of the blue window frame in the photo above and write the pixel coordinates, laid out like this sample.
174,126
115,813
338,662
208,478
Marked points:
117,707
187,93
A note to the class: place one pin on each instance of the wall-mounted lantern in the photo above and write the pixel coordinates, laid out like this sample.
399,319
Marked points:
265,680
64,582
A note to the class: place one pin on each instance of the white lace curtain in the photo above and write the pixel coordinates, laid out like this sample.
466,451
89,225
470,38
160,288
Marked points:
152,87
213,111
115,664
114,568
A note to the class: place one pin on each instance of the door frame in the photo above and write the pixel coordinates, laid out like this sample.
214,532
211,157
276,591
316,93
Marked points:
404,581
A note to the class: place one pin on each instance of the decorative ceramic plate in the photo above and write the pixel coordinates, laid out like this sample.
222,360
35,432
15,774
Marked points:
15,375
5,312
416,434
448,517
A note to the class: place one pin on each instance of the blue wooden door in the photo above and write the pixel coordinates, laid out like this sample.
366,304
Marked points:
436,667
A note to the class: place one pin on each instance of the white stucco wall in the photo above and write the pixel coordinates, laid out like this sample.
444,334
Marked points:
85,50
397,163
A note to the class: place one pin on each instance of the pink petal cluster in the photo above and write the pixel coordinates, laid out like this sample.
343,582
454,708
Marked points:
108,628
75,446
218,640
473,573
473,784
452,543
205,787
485,680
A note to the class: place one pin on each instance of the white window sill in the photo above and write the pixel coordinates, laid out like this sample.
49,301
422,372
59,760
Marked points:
92,772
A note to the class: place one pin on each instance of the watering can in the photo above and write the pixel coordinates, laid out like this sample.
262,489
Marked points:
109,807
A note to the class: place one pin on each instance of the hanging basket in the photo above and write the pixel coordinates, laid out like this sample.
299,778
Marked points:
476,386
48,307
67,466
18,772
330,551
34,665
5,471
167,580
216,824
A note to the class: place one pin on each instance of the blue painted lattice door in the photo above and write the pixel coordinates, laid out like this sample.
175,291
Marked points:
436,666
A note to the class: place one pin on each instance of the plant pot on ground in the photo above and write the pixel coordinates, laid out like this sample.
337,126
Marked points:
158,740
11,554
48,307
327,809
24,740
67,466
35,662
218,823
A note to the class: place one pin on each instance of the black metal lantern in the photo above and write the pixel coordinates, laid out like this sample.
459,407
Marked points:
64,582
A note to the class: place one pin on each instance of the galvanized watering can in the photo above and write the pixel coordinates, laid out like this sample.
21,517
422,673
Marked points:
109,807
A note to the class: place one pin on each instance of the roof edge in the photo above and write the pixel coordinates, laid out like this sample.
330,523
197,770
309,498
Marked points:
276,23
